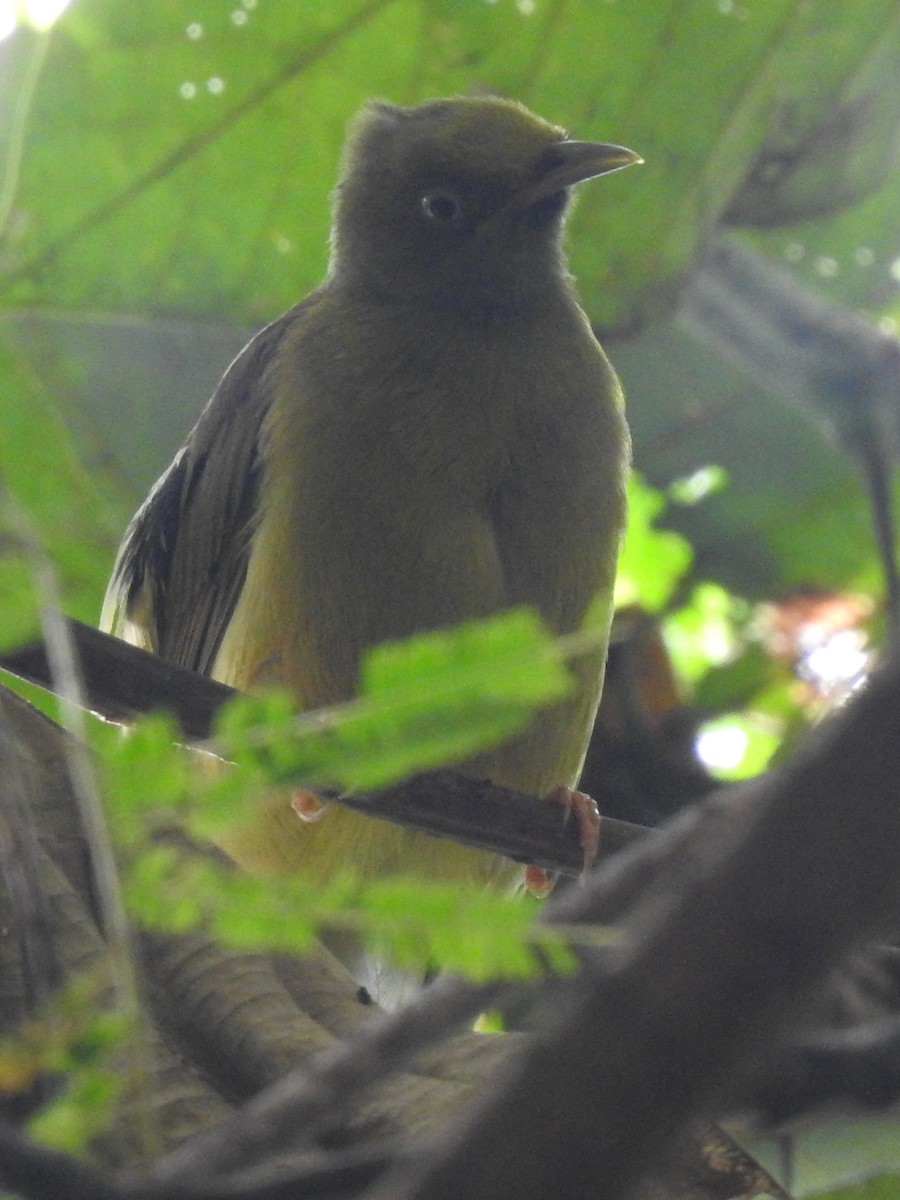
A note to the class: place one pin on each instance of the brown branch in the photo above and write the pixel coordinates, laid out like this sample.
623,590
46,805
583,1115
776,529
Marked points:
479,813
121,681
421,1027
37,1173
20,871
701,844
308,1100
757,897
338,1175
849,1071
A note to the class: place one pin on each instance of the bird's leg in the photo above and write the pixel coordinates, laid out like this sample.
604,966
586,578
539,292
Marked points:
307,805
587,815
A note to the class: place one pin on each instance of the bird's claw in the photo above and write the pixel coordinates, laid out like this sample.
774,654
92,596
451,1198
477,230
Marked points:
308,806
587,814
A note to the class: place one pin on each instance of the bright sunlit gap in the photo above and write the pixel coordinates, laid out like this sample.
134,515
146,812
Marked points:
722,747
38,14
704,482
837,662
738,746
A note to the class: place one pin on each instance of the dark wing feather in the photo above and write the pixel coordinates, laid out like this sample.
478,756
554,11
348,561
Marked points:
183,560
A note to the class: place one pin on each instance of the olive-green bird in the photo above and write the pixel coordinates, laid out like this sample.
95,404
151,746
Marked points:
432,435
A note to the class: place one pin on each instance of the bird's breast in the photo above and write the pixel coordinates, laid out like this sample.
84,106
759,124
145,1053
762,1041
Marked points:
419,474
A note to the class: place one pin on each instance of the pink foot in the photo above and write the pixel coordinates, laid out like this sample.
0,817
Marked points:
537,880
307,805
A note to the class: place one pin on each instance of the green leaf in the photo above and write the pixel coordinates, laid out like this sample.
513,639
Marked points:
217,211
410,922
423,701
69,510
224,87
881,1187
435,699
739,745
146,776
706,631
81,1111
843,1158
76,1037
652,560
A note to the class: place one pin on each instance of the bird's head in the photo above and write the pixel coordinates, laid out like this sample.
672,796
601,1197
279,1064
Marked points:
458,204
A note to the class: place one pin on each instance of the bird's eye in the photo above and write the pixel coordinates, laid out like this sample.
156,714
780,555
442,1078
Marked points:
442,208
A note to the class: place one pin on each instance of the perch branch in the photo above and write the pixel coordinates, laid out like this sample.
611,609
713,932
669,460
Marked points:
122,681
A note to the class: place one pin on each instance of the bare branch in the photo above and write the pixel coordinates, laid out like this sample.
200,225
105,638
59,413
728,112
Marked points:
757,896
121,681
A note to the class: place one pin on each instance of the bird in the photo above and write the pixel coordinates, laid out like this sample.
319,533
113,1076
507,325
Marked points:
433,435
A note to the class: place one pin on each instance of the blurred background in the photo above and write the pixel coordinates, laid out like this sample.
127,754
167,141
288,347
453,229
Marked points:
166,169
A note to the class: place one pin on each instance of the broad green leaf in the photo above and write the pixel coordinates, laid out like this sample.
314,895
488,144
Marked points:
843,1158
240,112
164,162
794,513
45,486
879,1187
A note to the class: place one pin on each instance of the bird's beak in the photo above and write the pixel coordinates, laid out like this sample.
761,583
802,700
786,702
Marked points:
573,162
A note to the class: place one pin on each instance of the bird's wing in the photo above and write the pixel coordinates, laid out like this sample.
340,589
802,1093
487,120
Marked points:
183,560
